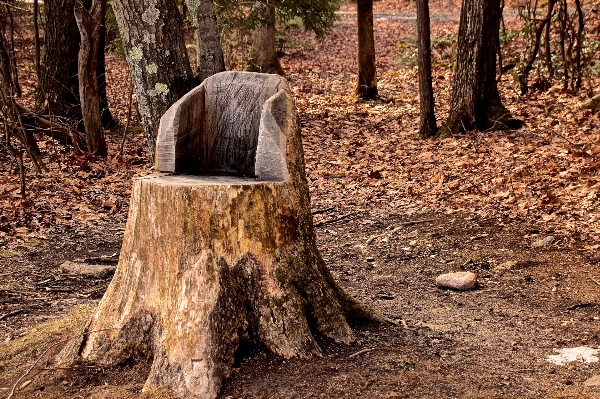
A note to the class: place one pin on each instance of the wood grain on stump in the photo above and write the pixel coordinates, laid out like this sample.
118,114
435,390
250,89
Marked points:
211,260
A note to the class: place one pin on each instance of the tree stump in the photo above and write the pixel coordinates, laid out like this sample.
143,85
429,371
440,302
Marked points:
224,253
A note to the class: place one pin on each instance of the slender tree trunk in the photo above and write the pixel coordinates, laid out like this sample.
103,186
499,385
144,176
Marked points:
9,112
155,50
427,124
89,21
536,46
36,38
475,100
209,53
548,49
562,18
106,116
264,57
366,87
578,45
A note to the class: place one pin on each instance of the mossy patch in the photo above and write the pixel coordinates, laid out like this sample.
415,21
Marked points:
26,349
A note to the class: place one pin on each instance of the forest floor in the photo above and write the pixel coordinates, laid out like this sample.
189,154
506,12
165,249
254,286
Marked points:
520,208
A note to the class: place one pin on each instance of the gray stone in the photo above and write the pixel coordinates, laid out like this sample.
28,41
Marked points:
87,270
460,281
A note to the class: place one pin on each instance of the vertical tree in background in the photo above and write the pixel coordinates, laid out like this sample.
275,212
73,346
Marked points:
152,33
209,53
427,123
475,101
366,87
264,49
89,20
58,88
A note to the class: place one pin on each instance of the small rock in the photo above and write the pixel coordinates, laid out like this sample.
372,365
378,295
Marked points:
85,269
544,242
503,267
593,381
461,281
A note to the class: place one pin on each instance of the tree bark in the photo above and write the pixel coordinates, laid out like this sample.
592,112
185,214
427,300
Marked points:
209,53
58,88
155,50
90,28
475,100
264,57
210,261
427,122
366,87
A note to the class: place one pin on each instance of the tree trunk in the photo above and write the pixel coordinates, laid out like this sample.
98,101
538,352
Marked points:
264,57
475,100
523,77
209,53
366,87
58,88
155,50
10,116
90,27
427,124
547,44
210,261
36,38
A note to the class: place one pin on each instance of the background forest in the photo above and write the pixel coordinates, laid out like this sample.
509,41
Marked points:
520,207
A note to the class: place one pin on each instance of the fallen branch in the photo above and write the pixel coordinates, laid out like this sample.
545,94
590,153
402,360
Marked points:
595,281
9,314
360,352
334,220
40,124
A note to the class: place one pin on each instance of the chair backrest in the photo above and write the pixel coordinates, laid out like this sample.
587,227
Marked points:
215,128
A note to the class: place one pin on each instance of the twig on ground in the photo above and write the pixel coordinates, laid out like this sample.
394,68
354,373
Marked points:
360,352
595,281
9,314
54,345
322,211
335,220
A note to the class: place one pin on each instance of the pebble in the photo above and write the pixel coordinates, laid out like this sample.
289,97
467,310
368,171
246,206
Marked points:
509,265
544,242
593,381
461,281
85,269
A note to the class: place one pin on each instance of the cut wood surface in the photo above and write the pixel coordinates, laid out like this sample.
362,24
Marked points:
210,261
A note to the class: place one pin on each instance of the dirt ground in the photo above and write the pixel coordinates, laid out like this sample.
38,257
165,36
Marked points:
488,343
388,225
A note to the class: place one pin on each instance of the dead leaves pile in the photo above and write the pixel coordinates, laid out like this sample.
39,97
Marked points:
366,156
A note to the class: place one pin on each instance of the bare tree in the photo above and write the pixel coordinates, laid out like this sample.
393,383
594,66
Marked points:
427,124
89,23
366,87
475,100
